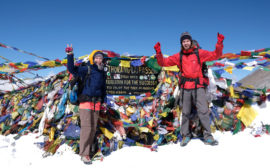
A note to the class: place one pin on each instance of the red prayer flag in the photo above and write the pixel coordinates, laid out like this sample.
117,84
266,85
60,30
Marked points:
245,53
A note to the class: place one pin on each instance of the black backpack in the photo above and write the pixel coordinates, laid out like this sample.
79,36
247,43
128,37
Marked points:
76,86
204,69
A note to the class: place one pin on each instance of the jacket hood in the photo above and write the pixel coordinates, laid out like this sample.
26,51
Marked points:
91,56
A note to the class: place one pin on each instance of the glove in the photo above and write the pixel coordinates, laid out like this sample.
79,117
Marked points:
69,49
220,38
157,48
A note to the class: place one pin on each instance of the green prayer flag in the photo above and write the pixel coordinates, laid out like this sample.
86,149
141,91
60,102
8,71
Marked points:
114,62
248,101
267,128
237,127
227,122
229,82
209,63
19,63
152,63
153,92
57,63
217,74
266,69
167,110
264,90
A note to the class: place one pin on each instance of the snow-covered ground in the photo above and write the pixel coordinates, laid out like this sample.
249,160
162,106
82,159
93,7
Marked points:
241,150
5,85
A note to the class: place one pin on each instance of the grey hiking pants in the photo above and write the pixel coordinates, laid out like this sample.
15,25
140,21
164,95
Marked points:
89,120
202,110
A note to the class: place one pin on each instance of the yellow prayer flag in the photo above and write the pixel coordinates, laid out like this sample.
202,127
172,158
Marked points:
14,115
120,144
144,129
64,61
132,97
164,114
37,120
23,66
127,121
142,113
82,57
250,68
24,118
106,132
49,63
262,53
232,91
51,135
156,137
4,67
45,131
171,68
250,86
2,125
244,57
247,114
168,80
229,69
151,122
139,144
125,64
130,111
74,118
153,56
174,138
158,86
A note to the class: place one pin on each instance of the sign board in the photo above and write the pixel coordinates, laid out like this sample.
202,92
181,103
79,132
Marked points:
130,81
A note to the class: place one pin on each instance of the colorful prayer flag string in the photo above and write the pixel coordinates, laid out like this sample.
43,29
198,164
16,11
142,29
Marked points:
22,51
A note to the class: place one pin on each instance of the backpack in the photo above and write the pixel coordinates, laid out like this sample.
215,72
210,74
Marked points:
203,66
76,86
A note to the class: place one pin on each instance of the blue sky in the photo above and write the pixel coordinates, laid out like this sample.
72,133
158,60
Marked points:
45,27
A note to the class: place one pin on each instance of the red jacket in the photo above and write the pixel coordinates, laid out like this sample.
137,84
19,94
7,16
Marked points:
190,65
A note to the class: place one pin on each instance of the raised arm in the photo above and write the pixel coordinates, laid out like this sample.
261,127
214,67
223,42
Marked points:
75,71
169,61
213,55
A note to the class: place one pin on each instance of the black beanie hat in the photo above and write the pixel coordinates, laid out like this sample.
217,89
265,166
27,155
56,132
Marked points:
184,36
98,54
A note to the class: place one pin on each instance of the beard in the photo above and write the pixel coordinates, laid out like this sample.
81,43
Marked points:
100,66
186,47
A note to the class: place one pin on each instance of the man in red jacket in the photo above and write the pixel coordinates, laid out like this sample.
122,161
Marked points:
189,61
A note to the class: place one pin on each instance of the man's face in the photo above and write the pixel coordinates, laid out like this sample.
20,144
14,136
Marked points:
186,44
98,60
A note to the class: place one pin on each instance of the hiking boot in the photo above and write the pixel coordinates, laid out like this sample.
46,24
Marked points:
210,141
185,141
86,160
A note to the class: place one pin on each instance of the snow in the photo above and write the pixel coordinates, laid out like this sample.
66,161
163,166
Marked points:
5,85
263,113
242,149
